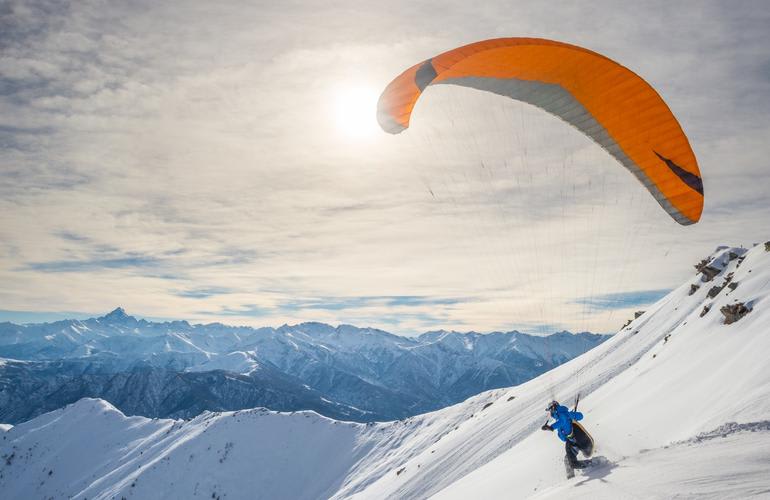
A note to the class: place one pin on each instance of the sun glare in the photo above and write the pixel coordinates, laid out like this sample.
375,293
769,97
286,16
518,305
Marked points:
355,111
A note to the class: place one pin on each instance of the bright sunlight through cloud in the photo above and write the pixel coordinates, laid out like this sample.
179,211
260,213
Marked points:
355,109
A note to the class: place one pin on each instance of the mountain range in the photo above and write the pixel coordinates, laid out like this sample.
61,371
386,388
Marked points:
176,369
677,403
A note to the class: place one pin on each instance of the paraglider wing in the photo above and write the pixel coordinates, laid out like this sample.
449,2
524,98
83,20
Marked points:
606,101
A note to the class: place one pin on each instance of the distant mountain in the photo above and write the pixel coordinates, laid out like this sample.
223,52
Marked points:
175,369
28,389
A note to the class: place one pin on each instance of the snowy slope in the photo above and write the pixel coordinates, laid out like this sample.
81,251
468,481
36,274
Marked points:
658,397
90,450
639,392
732,464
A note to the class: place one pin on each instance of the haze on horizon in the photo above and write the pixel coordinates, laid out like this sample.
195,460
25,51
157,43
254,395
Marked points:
223,163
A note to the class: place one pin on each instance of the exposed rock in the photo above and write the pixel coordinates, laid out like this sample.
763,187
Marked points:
732,256
693,289
708,272
767,246
705,311
734,312
714,291
733,285
638,313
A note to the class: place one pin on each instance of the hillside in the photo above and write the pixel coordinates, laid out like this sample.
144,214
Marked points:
678,402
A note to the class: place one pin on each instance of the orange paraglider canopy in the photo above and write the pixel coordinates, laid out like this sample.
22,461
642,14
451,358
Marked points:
606,101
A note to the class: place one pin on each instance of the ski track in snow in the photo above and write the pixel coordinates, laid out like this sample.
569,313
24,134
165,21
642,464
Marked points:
734,466
727,429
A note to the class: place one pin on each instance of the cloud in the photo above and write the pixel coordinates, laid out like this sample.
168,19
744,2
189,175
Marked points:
622,300
66,235
203,293
344,303
24,317
251,310
184,162
69,266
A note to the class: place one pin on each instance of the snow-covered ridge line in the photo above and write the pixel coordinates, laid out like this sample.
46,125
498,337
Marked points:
161,369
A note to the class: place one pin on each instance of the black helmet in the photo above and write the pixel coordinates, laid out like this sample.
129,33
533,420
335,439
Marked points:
552,406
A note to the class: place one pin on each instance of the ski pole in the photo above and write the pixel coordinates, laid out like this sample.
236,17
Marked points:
577,400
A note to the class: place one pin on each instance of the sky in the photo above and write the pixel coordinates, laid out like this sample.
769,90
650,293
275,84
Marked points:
221,161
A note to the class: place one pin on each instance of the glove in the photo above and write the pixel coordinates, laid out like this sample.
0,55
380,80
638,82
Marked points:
547,427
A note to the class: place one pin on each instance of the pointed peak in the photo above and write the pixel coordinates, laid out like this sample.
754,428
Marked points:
118,311
118,314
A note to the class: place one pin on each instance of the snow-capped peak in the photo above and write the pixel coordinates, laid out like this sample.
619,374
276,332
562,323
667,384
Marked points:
117,315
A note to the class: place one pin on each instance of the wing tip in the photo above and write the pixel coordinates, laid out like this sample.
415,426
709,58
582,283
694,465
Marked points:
390,124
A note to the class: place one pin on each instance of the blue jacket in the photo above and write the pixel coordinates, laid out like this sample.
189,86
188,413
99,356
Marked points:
564,418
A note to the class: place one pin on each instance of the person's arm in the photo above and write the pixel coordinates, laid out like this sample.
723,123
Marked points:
558,426
575,415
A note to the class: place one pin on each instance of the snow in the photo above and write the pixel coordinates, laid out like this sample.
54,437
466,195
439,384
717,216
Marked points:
639,392
93,451
733,467
705,375
236,361
678,405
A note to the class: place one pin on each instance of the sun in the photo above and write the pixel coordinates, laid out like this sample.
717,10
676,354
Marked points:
355,111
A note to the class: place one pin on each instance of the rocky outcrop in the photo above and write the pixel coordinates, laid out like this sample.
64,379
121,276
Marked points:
734,312
714,291
707,271
693,289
